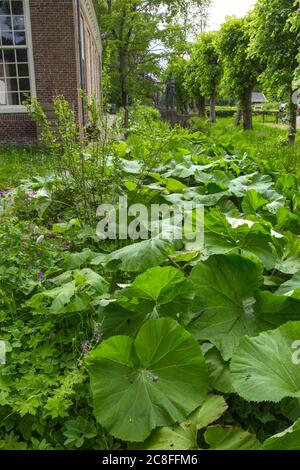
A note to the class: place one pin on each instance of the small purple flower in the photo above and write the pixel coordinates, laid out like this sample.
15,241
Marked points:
85,346
40,276
40,239
30,226
30,193
97,335
3,192
35,229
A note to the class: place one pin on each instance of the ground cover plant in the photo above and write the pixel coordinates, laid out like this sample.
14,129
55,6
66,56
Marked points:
148,345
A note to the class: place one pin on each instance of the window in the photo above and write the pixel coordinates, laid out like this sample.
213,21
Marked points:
15,84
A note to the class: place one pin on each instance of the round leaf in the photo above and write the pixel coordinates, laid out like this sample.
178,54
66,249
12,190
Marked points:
157,379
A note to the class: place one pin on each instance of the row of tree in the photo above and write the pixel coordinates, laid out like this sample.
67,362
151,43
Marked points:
138,36
261,49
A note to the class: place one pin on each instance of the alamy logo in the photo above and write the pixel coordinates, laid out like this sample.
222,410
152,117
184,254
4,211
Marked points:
2,353
163,221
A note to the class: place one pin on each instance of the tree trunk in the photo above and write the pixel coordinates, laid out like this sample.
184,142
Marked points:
201,107
212,112
247,111
292,120
239,115
124,93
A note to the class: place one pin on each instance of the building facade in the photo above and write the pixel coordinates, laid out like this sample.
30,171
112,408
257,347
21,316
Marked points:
47,48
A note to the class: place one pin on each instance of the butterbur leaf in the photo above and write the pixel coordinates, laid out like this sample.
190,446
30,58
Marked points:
286,440
60,297
291,288
288,250
140,256
158,284
225,286
138,385
252,202
219,373
266,368
184,436
229,438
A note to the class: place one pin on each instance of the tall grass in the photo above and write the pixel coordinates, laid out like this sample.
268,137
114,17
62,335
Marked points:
267,141
18,163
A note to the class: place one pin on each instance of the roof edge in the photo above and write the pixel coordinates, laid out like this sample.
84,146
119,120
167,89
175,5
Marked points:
89,10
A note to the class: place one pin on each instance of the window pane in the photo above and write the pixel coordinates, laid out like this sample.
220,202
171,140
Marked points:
5,23
17,7
24,84
19,23
4,7
11,70
24,97
12,84
13,99
9,55
7,39
23,70
14,67
22,55
3,97
20,39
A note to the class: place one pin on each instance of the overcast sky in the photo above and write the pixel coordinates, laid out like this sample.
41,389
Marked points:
222,8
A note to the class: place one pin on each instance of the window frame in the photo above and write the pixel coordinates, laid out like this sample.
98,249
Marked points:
14,109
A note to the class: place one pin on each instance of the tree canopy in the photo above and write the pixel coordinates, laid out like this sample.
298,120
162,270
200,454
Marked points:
275,30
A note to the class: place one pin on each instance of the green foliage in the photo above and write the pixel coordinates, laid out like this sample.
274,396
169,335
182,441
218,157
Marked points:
115,344
276,43
130,379
267,363
205,61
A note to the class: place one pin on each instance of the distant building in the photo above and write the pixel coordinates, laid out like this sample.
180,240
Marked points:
47,48
258,98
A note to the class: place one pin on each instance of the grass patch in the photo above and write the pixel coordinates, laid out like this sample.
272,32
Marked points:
19,163
266,141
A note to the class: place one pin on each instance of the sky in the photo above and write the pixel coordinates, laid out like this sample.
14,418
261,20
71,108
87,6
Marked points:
222,8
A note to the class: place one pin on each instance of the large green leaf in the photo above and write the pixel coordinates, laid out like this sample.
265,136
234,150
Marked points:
184,436
225,287
219,373
158,284
253,201
140,256
286,440
231,235
229,438
288,259
273,310
155,380
263,368
75,291
291,288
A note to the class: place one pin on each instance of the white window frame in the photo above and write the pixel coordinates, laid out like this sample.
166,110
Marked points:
14,109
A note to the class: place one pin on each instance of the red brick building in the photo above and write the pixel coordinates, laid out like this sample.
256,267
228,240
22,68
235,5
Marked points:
47,48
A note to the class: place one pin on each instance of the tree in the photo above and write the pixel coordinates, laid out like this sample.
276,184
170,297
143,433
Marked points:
176,70
277,43
137,34
193,87
206,69
241,71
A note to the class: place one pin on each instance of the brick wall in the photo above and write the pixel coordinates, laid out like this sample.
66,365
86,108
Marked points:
56,51
56,55
17,129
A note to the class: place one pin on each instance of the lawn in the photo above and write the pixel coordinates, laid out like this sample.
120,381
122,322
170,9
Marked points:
19,163
266,140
